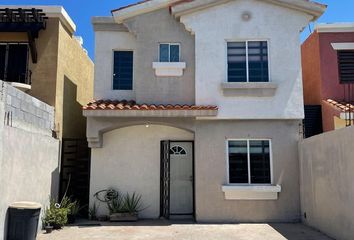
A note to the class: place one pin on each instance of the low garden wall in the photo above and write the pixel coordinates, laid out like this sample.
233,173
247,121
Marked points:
29,155
327,177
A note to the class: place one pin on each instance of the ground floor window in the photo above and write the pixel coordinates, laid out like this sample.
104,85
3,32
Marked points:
249,161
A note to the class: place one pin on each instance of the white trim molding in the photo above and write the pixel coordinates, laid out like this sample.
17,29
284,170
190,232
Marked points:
251,192
343,46
249,89
169,69
334,27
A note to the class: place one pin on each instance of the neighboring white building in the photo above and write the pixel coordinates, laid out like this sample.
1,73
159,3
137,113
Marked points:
214,107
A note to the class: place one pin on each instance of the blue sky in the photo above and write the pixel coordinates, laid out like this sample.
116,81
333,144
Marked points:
82,10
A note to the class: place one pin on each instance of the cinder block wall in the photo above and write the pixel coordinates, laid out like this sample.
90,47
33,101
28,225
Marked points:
26,112
29,156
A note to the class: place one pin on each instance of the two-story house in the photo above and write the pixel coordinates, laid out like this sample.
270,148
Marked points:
199,107
328,77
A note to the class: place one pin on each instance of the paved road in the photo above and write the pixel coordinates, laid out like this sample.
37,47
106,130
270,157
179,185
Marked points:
159,230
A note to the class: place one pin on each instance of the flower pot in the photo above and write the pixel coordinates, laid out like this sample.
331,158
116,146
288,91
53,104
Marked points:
57,226
123,217
48,229
71,219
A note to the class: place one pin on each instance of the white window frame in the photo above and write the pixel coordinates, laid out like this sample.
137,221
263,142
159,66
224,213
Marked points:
247,63
249,163
169,51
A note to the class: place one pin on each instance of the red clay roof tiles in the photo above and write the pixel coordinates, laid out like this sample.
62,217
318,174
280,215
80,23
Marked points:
344,107
132,105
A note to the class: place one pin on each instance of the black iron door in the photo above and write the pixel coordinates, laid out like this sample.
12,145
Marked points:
75,170
165,180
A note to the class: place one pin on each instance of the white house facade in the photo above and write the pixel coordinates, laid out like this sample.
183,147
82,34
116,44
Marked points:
199,107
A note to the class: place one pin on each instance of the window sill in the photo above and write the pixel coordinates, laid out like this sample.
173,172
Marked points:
21,86
249,89
169,69
250,192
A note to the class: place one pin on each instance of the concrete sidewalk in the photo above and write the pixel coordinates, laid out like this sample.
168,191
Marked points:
161,230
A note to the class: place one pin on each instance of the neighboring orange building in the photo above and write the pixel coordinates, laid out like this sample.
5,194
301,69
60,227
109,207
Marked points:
328,77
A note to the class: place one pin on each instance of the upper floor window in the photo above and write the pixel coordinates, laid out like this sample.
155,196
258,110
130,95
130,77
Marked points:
346,66
249,161
14,62
169,52
248,61
123,70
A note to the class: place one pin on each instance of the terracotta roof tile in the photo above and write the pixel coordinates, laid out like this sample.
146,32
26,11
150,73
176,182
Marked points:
132,105
344,107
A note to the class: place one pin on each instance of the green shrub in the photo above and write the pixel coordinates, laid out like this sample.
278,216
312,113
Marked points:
54,215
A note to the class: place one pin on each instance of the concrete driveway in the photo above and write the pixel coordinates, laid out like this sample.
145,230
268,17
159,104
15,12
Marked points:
161,230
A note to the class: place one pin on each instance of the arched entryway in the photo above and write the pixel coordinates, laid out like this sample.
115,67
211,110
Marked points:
130,161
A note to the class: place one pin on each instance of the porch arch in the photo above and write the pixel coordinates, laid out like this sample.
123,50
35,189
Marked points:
96,127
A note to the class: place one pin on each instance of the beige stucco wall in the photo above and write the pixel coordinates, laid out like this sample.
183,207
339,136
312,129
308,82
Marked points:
211,171
44,71
327,189
130,162
119,163
62,77
74,86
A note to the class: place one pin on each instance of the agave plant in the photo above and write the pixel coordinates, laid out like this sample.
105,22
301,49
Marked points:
132,203
116,205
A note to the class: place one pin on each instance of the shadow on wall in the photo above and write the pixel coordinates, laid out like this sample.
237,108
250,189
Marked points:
54,189
74,123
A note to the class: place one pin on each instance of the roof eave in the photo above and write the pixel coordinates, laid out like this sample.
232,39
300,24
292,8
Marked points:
311,8
51,11
141,8
150,113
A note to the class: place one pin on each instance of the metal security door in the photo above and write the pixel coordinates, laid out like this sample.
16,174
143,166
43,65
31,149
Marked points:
165,180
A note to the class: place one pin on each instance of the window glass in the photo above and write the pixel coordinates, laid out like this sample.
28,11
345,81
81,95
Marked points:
174,53
123,70
238,162
164,52
2,61
249,156
258,61
260,162
248,61
237,65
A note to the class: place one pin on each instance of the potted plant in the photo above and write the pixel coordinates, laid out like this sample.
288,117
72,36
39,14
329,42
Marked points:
55,216
48,228
125,208
122,208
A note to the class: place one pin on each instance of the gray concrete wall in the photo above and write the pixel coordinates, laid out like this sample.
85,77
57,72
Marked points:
211,171
29,156
327,189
